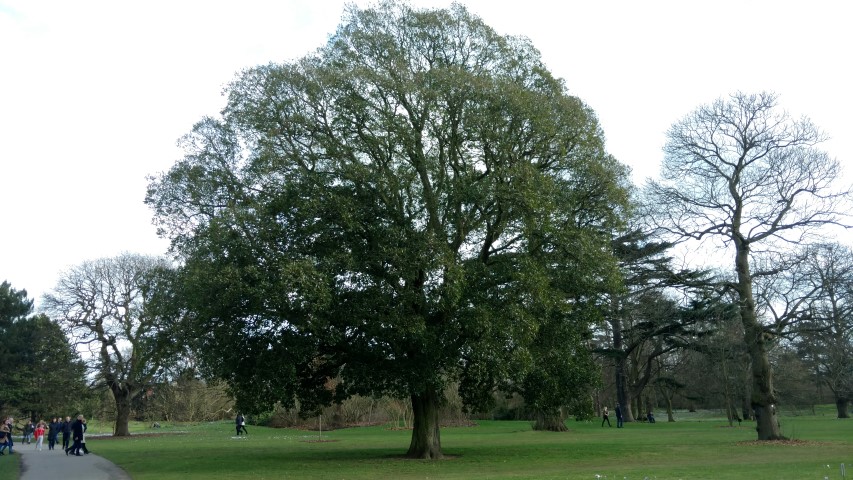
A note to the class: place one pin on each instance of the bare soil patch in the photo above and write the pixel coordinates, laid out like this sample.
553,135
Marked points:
787,443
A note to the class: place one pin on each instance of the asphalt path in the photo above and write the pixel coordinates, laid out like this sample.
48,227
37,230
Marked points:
54,464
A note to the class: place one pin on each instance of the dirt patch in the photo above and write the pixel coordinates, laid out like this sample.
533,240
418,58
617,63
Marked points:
787,443
405,458
466,423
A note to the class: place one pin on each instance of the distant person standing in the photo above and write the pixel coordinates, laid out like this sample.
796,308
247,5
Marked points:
619,423
605,417
241,424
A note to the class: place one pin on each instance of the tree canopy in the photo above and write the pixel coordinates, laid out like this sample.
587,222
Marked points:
410,206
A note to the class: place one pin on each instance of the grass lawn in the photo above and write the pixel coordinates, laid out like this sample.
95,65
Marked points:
10,466
694,447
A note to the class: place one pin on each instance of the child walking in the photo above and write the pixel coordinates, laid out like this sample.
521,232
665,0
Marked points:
39,434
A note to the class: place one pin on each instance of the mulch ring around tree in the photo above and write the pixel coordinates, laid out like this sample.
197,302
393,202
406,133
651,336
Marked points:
460,423
787,442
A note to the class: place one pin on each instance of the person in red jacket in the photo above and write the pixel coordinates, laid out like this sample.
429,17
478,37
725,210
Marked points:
39,435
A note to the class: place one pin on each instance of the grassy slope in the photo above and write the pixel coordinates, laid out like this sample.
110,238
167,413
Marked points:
692,448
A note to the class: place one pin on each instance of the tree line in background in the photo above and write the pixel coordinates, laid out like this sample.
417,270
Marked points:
420,211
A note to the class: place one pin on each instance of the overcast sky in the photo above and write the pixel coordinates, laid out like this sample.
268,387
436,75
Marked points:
94,94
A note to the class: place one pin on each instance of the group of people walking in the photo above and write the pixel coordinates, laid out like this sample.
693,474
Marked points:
72,432
605,417
241,424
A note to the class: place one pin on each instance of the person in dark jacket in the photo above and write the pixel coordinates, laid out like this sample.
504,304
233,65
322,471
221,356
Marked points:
53,432
65,428
29,428
619,419
76,437
241,424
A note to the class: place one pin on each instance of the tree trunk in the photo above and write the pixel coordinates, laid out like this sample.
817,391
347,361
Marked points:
746,409
122,398
727,395
640,407
841,407
550,422
426,440
619,364
650,408
670,417
763,400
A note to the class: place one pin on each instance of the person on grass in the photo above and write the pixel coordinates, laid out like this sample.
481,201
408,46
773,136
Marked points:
619,423
241,424
605,417
651,417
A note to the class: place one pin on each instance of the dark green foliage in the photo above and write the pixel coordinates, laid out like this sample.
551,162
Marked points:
14,304
418,203
647,325
41,372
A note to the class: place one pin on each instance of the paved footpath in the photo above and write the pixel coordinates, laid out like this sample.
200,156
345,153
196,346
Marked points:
54,464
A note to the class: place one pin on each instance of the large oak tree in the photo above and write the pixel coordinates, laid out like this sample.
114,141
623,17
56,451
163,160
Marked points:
746,174
404,208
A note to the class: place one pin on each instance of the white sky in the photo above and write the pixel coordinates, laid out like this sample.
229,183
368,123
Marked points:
94,94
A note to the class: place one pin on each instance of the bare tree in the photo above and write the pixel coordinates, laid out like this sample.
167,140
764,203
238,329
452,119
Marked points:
102,306
825,339
744,173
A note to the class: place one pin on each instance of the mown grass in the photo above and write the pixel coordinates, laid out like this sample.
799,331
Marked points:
699,446
10,466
